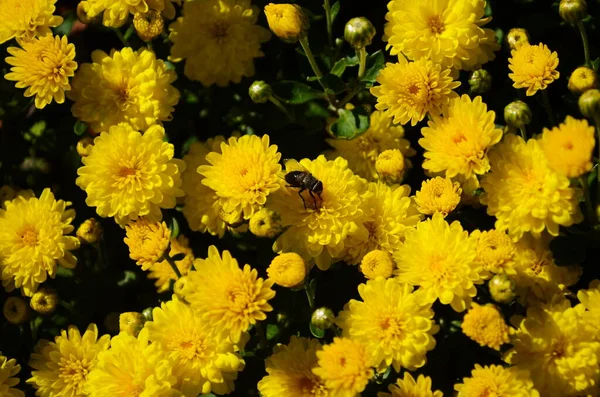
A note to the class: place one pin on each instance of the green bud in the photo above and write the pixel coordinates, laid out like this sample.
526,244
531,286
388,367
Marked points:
480,81
260,92
589,104
502,289
359,32
517,114
573,11
148,313
322,318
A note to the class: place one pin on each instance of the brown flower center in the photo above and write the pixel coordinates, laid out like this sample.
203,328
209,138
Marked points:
436,25
29,236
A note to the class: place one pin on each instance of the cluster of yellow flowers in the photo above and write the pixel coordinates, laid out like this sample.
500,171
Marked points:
346,205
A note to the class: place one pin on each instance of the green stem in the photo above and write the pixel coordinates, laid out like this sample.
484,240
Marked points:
347,98
281,107
327,8
588,200
586,45
262,339
523,133
362,61
310,56
173,265
548,107
122,38
311,299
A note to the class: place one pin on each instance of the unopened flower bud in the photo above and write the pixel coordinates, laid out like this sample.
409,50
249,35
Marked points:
260,92
516,37
44,301
287,269
589,104
148,24
147,312
82,14
480,81
131,322
7,193
502,289
359,32
15,310
573,11
517,114
181,287
90,231
390,165
377,263
233,219
111,322
289,22
85,145
322,318
582,79
265,223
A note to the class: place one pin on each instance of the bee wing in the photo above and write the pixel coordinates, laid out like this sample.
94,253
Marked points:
293,165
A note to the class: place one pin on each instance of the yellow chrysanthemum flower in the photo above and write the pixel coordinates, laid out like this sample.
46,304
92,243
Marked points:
438,195
569,147
265,223
523,192
131,323
47,79
227,296
9,369
392,322
148,24
344,367
25,19
391,166
486,326
377,263
201,206
410,90
90,231
204,359
147,241
408,387
61,368
362,152
132,367
537,277
44,301
590,300
289,371
458,142
163,272
33,239
287,269
116,12
15,310
495,251
440,259
555,344
123,87
243,174
288,21
582,79
533,67
320,233
130,174
390,212
219,40
497,381
449,32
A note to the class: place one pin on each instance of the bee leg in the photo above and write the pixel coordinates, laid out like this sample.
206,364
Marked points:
302,197
314,199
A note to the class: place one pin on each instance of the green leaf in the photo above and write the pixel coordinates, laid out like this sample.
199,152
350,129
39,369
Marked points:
129,278
178,257
174,228
375,62
596,64
272,331
38,128
335,10
64,272
341,65
568,250
295,93
80,128
333,84
317,332
351,123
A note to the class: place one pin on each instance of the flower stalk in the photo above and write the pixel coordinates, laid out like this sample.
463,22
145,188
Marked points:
362,61
327,7
548,107
586,44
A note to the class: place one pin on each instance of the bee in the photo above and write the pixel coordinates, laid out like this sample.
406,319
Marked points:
301,178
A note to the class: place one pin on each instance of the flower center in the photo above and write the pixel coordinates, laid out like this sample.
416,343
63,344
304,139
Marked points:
568,145
537,266
436,25
74,372
123,96
413,89
29,236
390,326
219,30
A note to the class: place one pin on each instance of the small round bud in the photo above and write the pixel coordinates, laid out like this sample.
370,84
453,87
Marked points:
44,301
90,231
15,310
377,263
502,289
287,269
359,32
181,287
131,323
516,37
7,193
111,322
390,165
148,24
147,312
85,145
289,22
283,319
260,92
517,114
582,79
322,318
265,223
573,11
589,104
480,81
